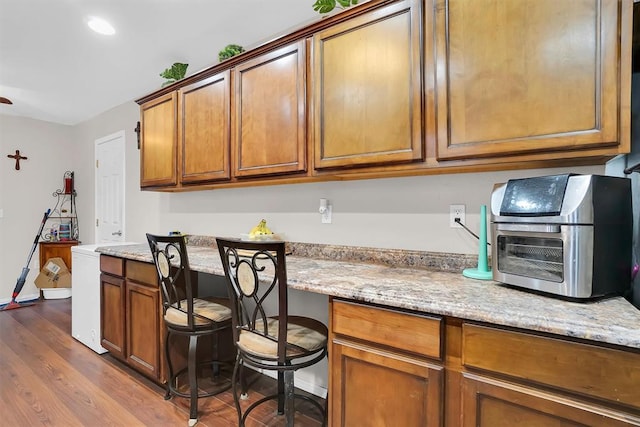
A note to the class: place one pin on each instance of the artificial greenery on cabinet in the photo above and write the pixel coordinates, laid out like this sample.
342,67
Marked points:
326,6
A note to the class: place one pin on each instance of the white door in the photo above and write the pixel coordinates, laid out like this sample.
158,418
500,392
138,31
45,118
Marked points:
110,188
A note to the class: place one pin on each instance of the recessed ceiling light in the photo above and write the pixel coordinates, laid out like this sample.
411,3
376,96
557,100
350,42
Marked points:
101,26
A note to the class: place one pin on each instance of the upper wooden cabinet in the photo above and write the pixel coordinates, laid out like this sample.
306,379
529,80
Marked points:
518,77
204,129
158,149
367,89
270,113
398,88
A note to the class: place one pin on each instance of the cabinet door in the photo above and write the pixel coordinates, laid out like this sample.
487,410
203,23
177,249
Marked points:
204,110
112,322
367,89
56,250
492,403
158,148
373,387
524,76
143,329
270,109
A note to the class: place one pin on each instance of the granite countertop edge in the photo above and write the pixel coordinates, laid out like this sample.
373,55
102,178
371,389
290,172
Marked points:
612,321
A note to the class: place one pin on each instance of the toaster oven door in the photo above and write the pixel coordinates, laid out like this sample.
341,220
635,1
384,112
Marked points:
548,258
535,257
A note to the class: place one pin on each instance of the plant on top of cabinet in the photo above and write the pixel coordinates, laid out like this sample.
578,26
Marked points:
326,6
229,51
175,73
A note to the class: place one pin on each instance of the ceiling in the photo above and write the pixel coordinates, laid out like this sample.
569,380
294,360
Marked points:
54,68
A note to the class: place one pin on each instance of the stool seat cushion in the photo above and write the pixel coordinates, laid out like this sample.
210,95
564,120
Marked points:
210,310
301,339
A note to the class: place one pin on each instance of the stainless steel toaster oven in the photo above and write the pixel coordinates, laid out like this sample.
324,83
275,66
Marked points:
567,235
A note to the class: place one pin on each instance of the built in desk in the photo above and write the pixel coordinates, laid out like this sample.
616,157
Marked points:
461,347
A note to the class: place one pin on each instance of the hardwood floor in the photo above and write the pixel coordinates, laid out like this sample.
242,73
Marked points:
49,378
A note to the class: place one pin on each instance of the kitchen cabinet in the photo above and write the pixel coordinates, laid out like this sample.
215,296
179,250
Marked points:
392,367
131,314
494,403
186,135
270,113
112,305
367,89
204,130
401,88
384,367
530,76
61,249
159,141
143,318
535,380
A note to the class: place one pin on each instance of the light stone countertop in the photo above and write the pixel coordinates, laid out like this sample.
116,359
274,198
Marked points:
613,320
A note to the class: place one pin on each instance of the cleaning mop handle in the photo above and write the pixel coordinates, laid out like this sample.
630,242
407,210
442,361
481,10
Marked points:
35,240
44,220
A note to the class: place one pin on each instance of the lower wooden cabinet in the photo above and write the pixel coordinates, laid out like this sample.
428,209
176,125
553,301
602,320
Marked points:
376,376
112,314
395,368
374,387
493,403
607,374
142,307
130,314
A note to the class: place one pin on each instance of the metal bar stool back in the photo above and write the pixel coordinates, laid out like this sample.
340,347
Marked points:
277,341
187,315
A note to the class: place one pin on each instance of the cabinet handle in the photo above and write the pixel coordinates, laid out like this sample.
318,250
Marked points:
117,233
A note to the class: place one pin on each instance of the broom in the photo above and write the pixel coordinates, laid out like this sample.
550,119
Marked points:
25,270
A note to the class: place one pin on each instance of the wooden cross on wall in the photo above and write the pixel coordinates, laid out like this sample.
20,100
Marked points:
17,157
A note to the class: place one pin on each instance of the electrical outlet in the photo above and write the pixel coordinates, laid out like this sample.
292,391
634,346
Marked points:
456,211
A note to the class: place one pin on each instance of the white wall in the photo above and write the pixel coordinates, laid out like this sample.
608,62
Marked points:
26,194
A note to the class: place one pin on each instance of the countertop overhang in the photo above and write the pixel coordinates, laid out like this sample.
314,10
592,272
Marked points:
612,320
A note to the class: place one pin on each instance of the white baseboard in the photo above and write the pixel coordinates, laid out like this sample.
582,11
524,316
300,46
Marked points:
300,382
23,298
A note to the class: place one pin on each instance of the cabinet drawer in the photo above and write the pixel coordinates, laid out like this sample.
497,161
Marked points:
606,373
112,265
142,272
409,332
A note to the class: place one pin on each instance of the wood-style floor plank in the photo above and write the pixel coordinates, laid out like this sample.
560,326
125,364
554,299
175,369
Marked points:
105,376
26,402
49,378
71,390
